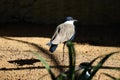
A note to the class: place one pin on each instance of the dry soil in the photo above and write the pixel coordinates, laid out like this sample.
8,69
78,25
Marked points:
17,61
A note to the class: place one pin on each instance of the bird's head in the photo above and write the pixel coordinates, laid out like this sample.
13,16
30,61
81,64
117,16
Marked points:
70,19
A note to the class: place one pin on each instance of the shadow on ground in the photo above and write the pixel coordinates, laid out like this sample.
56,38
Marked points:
40,49
22,62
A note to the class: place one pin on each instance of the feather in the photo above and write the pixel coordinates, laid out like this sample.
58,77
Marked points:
64,32
53,48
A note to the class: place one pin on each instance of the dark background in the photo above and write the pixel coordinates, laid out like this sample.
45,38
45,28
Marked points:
98,20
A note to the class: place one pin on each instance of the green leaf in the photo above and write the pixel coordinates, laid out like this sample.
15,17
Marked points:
72,58
46,65
62,77
99,65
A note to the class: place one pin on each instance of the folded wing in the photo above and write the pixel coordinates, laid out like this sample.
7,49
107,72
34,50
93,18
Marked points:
64,32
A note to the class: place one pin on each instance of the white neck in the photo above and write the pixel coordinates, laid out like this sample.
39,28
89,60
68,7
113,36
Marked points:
69,22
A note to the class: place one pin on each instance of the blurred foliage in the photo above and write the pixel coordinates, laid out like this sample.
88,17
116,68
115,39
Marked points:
108,75
85,71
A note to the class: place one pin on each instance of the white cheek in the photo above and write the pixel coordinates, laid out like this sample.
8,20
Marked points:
87,73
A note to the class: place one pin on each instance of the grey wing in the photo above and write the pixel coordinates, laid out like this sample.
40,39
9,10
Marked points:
63,33
55,34
70,31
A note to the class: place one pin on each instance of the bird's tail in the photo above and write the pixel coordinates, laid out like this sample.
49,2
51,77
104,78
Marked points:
53,48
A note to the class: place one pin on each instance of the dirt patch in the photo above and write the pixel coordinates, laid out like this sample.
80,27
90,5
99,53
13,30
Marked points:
18,62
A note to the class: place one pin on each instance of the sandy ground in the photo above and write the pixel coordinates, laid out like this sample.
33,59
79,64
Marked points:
17,62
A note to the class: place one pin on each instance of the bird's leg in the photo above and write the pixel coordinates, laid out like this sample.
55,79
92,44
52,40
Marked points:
63,50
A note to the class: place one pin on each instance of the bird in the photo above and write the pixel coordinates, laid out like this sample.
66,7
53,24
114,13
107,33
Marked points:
64,32
82,72
83,69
